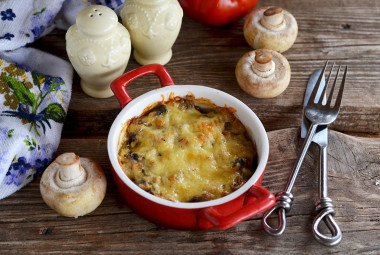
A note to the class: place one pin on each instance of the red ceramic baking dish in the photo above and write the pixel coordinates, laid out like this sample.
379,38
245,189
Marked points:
222,213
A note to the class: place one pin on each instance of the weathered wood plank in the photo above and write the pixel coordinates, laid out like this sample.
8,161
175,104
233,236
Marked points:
27,225
345,31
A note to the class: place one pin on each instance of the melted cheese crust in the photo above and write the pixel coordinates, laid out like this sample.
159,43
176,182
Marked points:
187,150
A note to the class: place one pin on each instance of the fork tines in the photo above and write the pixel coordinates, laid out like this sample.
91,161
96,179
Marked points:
339,97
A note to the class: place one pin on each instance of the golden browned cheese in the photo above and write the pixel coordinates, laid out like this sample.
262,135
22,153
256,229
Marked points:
183,150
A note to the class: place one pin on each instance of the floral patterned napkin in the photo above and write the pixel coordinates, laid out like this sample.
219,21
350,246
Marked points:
23,22
35,87
33,108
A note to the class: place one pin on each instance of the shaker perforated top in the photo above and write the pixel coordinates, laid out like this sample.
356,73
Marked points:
96,20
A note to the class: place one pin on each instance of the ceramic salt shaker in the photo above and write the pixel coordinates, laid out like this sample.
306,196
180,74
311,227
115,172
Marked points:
154,26
99,48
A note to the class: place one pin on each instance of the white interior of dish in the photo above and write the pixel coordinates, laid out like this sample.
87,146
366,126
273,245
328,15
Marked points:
135,108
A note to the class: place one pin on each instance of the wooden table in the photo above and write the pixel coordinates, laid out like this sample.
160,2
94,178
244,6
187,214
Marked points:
347,31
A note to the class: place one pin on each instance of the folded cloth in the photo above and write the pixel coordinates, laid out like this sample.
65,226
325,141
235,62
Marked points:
35,87
23,22
33,108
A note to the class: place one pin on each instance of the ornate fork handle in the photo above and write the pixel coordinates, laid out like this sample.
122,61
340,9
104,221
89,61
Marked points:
285,199
318,113
282,206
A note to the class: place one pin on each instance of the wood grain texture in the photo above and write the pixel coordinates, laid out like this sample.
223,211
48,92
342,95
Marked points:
27,225
347,32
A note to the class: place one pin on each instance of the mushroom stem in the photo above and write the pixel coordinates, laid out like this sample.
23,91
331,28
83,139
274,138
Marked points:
263,65
71,173
273,19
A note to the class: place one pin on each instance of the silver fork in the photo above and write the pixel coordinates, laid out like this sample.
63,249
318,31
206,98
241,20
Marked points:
324,207
318,114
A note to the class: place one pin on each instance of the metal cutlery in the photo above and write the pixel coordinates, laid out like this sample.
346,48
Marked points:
320,114
324,206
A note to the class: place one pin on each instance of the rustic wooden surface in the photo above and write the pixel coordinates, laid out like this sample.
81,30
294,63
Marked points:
346,31
28,225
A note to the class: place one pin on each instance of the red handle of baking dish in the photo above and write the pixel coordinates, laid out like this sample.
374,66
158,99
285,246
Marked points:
119,85
257,200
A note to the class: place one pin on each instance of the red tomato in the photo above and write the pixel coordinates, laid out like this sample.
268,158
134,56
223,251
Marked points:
217,12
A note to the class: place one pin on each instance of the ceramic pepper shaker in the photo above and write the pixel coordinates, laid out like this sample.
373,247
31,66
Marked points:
99,48
154,26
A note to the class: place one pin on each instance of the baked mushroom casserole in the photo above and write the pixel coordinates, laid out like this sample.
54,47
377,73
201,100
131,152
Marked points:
187,150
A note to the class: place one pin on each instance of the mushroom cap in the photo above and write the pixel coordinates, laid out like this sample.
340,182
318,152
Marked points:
78,199
258,36
269,86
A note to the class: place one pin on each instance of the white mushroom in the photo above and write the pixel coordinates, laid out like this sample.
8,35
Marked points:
73,186
270,28
263,73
